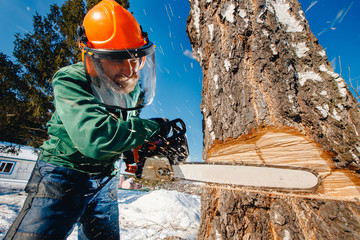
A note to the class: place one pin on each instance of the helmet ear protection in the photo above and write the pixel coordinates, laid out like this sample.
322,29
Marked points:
90,68
80,31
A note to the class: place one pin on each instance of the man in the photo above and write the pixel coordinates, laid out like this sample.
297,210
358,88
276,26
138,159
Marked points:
94,122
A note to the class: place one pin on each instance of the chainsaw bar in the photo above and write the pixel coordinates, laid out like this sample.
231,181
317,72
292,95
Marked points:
271,177
268,177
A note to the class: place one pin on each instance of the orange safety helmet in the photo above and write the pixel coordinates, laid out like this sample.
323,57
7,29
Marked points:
111,32
109,26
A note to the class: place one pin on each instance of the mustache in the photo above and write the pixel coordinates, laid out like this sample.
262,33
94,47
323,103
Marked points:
121,77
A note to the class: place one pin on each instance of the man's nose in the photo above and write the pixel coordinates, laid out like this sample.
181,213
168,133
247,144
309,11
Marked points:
127,69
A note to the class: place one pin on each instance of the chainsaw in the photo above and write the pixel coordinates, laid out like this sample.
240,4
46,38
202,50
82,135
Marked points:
165,158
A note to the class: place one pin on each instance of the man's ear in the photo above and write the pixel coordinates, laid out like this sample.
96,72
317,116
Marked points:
143,59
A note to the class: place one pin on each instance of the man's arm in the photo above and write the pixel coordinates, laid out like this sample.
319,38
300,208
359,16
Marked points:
92,129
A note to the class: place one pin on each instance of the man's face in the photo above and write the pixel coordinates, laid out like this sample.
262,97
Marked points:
124,73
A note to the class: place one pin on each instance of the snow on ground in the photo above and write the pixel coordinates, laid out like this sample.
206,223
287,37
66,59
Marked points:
158,214
10,204
143,215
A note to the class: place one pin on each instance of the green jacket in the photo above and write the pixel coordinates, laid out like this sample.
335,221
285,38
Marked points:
84,135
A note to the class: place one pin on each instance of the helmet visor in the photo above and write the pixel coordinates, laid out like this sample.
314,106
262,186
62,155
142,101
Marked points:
123,80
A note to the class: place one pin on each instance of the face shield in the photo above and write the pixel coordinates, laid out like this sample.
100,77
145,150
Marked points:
124,79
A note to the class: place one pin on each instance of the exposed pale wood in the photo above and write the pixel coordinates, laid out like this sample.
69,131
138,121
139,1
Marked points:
287,147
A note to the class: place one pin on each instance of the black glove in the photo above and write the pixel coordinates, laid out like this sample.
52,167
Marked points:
165,129
171,141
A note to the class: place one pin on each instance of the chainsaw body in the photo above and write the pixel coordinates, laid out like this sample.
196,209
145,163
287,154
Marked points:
154,159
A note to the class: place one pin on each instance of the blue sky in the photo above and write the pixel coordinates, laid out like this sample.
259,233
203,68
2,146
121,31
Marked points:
335,23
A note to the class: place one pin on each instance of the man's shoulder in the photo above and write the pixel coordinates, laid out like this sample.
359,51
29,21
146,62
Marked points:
74,71
73,74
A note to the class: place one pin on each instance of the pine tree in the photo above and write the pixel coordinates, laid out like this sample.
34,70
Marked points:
26,90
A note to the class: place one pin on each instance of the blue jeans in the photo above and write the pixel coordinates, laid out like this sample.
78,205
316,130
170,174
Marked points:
59,197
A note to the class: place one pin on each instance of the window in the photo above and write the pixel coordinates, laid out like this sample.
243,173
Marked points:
6,167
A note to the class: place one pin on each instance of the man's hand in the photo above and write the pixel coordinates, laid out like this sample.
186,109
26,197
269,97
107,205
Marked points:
164,129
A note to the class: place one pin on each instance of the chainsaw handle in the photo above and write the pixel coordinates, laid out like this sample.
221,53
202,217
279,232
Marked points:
176,129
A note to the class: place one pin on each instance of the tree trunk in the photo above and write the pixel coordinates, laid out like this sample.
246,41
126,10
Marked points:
271,97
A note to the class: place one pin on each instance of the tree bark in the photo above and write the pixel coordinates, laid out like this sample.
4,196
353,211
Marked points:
270,96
